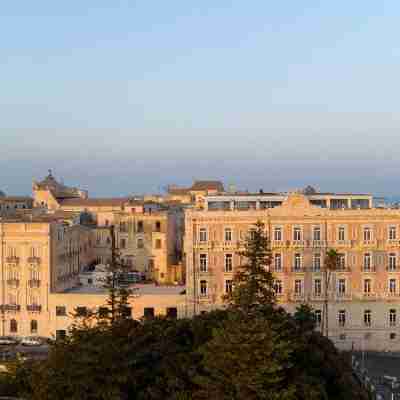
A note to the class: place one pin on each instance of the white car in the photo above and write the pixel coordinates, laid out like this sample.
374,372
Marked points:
31,341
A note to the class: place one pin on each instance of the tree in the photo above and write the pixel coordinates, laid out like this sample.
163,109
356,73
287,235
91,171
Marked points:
118,297
253,282
331,264
305,318
246,359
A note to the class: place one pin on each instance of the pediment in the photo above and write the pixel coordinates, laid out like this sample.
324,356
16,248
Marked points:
297,204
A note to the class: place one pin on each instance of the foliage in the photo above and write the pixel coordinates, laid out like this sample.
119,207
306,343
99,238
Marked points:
253,280
225,354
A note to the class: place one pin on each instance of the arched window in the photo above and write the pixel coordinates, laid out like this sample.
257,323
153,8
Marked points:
13,326
34,326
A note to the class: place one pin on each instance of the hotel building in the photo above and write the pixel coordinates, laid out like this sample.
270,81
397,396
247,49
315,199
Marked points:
364,292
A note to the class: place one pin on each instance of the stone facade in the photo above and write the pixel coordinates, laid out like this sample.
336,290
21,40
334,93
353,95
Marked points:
364,295
40,261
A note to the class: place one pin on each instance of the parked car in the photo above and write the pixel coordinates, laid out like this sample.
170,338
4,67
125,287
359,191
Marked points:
31,341
8,340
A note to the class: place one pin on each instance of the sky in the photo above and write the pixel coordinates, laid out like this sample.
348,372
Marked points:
122,97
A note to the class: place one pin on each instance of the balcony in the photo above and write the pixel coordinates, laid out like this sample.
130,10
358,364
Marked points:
298,243
370,269
297,297
13,283
228,244
318,243
317,296
343,243
392,295
11,307
343,296
34,308
393,242
369,296
277,243
34,260
12,260
298,270
343,268
392,269
369,243
34,283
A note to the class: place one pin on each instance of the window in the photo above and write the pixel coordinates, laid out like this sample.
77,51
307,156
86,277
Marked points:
367,317
392,262
298,287
341,261
148,312
278,234
296,234
342,286
228,286
317,287
297,262
278,287
123,243
318,317
367,234
158,226
278,261
228,262
140,226
317,234
140,243
341,233
392,286
13,326
228,234
392,317
158,244
392,336
34,326
367,262
203,262
367,286
252,234
392,233
81,311
317,262
203,235
203,288
61,311
342,317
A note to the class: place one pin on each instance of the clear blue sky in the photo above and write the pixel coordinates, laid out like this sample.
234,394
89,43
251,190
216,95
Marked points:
127,96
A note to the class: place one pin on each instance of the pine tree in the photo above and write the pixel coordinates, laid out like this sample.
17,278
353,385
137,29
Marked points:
118,297
253,282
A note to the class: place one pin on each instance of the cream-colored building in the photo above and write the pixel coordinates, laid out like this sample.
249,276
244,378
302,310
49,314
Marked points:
147,236
41,258
364,294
